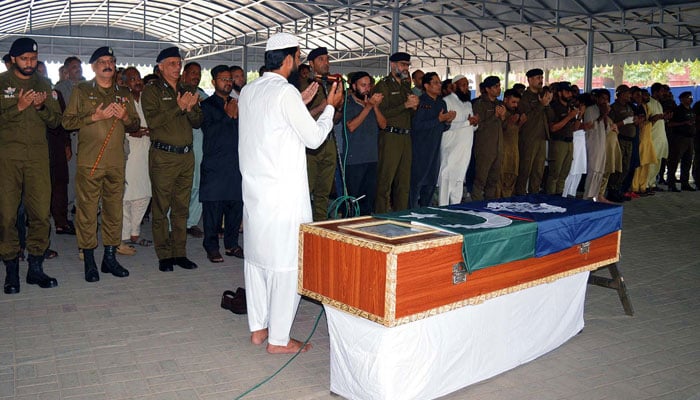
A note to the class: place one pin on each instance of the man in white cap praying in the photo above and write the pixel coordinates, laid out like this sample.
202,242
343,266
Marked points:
275,128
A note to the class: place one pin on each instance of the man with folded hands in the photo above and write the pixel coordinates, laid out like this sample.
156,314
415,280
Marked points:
172,110
102,113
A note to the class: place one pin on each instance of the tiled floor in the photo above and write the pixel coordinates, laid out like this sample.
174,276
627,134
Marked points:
159,335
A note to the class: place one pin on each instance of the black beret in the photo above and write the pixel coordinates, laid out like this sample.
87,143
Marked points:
491,81
219,69
400,56
534,72
23,45
167,53
564,86
101,52
321,51
6,58
356,76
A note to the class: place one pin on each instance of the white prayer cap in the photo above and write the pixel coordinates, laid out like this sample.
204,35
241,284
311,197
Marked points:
281,41
458,78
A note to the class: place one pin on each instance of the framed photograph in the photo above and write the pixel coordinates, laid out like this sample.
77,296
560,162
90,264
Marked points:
389,230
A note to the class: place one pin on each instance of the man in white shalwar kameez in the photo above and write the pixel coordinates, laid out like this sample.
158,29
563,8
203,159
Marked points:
456,145
275,128
137,193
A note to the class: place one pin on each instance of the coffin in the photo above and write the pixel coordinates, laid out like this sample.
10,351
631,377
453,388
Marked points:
400,278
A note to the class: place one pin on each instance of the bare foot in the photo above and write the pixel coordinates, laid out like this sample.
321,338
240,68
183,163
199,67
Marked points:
258,337
292,347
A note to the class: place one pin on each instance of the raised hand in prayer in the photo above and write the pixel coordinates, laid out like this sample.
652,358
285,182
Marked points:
25,99
375,100
39,99
501,112
231,108
102,113
412,101
309,93
335,95
187,100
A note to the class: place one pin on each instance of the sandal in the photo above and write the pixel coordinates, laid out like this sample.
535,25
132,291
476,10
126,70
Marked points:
235,252
49,254
125,249
215,257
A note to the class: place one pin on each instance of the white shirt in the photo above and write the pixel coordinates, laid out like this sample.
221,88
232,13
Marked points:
463,109
138,182
274,130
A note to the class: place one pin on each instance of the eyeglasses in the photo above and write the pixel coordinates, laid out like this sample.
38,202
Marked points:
225,79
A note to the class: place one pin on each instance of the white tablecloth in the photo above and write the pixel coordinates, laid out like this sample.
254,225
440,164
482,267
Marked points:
438,355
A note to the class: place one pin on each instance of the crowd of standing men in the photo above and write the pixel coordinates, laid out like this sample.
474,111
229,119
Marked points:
133,145
166,144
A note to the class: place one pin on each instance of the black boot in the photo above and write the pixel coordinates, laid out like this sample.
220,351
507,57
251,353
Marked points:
36,275
111,265
91,274
12,276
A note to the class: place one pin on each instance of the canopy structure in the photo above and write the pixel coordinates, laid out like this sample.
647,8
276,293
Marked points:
452,36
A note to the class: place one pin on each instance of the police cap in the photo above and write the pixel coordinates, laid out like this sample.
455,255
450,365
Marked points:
167,53
23,45
101,52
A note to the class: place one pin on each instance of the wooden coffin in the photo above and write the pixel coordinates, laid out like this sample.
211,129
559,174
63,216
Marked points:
392,282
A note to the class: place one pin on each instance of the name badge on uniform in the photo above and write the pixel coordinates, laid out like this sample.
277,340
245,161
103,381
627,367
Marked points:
395,93
167,98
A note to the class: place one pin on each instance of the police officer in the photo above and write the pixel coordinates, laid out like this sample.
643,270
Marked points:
171,109
27,108
534,133
394,161
320,162
564,118
102,112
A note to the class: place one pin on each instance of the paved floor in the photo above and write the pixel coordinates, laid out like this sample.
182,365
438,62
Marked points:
159,335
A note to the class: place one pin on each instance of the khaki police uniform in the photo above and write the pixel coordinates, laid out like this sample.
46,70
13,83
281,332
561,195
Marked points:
24,163
625,136
532,143
510,157
107,182
395,153
320,162
488,150
171,164
561,148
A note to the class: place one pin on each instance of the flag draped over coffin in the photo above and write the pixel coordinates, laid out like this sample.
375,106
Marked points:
561,222
489,239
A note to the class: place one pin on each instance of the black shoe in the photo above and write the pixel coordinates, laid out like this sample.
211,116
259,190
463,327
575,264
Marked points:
12,276
65,230
658,189
36,275
166,264
184,262
687,187
672,188
91,274
111,265
194,231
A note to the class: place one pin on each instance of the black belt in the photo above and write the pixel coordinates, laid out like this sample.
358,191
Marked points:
172,149
562,139
400,131
627,138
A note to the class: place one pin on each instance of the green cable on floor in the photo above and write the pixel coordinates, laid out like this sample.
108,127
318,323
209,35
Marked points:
288,361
